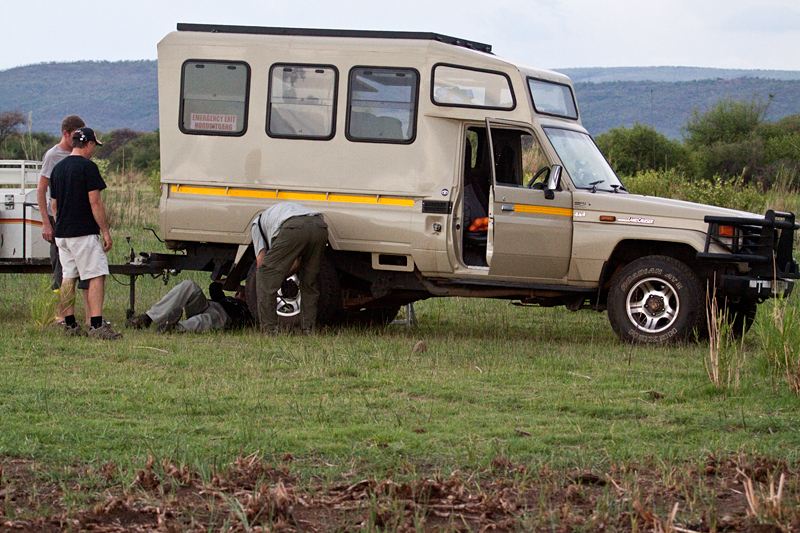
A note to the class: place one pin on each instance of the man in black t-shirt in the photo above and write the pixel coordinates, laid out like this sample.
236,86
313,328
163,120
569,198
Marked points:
75,186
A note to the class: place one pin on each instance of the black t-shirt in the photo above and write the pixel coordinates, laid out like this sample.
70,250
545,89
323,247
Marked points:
70,183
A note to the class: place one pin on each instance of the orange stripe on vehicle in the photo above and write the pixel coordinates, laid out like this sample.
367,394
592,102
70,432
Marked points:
19,221
541,210
287,195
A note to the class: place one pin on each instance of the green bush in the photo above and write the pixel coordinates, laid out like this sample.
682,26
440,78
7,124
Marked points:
733,193
728,121
128,150
631,150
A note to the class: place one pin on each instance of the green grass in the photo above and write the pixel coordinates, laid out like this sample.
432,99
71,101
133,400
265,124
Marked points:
528,384
498,384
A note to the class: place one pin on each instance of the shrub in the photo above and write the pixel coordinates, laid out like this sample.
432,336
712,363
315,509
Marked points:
631,150
733,194
728,121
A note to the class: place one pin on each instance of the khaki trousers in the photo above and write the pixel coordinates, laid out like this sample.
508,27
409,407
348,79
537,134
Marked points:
301,237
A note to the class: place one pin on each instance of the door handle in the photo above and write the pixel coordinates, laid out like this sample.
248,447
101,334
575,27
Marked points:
507,207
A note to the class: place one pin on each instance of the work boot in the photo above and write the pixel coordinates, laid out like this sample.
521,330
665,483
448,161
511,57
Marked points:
105,333
171,322
139,321
72,331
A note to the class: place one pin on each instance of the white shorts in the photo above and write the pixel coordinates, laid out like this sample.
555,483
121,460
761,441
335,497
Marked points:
82,257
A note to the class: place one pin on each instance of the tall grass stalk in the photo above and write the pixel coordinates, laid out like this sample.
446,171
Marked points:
43,304
780,339
726,355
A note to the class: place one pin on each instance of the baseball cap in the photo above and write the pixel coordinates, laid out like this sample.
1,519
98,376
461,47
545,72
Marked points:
85,135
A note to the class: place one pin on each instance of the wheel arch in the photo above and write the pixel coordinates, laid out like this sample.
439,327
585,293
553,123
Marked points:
629,250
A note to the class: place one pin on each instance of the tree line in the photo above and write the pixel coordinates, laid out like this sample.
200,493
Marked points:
731,140
123,149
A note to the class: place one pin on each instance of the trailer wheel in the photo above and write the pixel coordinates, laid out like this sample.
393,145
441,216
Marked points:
329,305
655,299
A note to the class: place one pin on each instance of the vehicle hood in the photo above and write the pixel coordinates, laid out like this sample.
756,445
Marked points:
652,211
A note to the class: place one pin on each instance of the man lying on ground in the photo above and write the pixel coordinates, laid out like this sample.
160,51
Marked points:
202,314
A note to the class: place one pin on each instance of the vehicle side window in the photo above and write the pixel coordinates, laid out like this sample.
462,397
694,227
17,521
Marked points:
465,87
301,101
550,98
214,97
382,105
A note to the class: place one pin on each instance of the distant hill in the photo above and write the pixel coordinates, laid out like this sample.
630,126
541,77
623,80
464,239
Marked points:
107,95
667,106
670,74
124,94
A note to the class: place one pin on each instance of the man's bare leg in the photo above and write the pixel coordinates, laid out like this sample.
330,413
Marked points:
95,296
66,303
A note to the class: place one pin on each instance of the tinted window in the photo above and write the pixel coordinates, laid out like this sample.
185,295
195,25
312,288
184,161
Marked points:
553,98
214,97
301,101
382,105
463,87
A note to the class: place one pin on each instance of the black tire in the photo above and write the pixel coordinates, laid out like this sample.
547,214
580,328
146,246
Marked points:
655,299
329,305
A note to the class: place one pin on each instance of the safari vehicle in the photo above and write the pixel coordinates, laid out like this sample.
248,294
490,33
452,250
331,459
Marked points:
442,170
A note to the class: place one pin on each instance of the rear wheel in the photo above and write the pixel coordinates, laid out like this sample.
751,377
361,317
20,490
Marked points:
655,299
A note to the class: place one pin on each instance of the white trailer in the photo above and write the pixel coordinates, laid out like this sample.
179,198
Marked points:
21,239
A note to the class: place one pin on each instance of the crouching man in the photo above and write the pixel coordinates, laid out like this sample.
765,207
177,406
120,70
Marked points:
202,314
288,236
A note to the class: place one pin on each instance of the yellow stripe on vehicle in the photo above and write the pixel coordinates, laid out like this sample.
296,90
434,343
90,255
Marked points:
285,195
541,210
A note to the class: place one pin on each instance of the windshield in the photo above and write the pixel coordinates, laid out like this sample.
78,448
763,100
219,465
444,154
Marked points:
582,160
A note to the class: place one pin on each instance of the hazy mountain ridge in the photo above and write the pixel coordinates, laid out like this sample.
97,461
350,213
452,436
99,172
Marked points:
107,95
670,74
124,94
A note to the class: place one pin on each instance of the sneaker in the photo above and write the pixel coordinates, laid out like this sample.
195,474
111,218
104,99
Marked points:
171,322
72,331
105,333
139,321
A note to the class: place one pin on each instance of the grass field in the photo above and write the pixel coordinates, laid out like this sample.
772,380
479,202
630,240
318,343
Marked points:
511,419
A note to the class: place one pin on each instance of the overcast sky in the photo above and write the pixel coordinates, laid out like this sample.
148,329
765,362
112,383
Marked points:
747,34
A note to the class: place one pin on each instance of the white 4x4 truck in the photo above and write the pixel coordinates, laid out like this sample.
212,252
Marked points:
442,170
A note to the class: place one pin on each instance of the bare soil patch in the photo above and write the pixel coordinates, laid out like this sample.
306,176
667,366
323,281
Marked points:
733,493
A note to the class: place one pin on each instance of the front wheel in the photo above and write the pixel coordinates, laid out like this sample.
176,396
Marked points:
655,299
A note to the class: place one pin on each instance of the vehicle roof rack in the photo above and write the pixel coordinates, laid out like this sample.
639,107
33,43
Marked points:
312,32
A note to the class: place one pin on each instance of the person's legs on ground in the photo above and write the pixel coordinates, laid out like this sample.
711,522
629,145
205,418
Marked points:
213,318
186,294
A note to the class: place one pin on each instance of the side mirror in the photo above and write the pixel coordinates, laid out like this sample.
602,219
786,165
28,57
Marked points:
553,182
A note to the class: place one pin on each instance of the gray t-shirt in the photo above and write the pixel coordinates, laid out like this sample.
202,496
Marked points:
54,156
271,221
